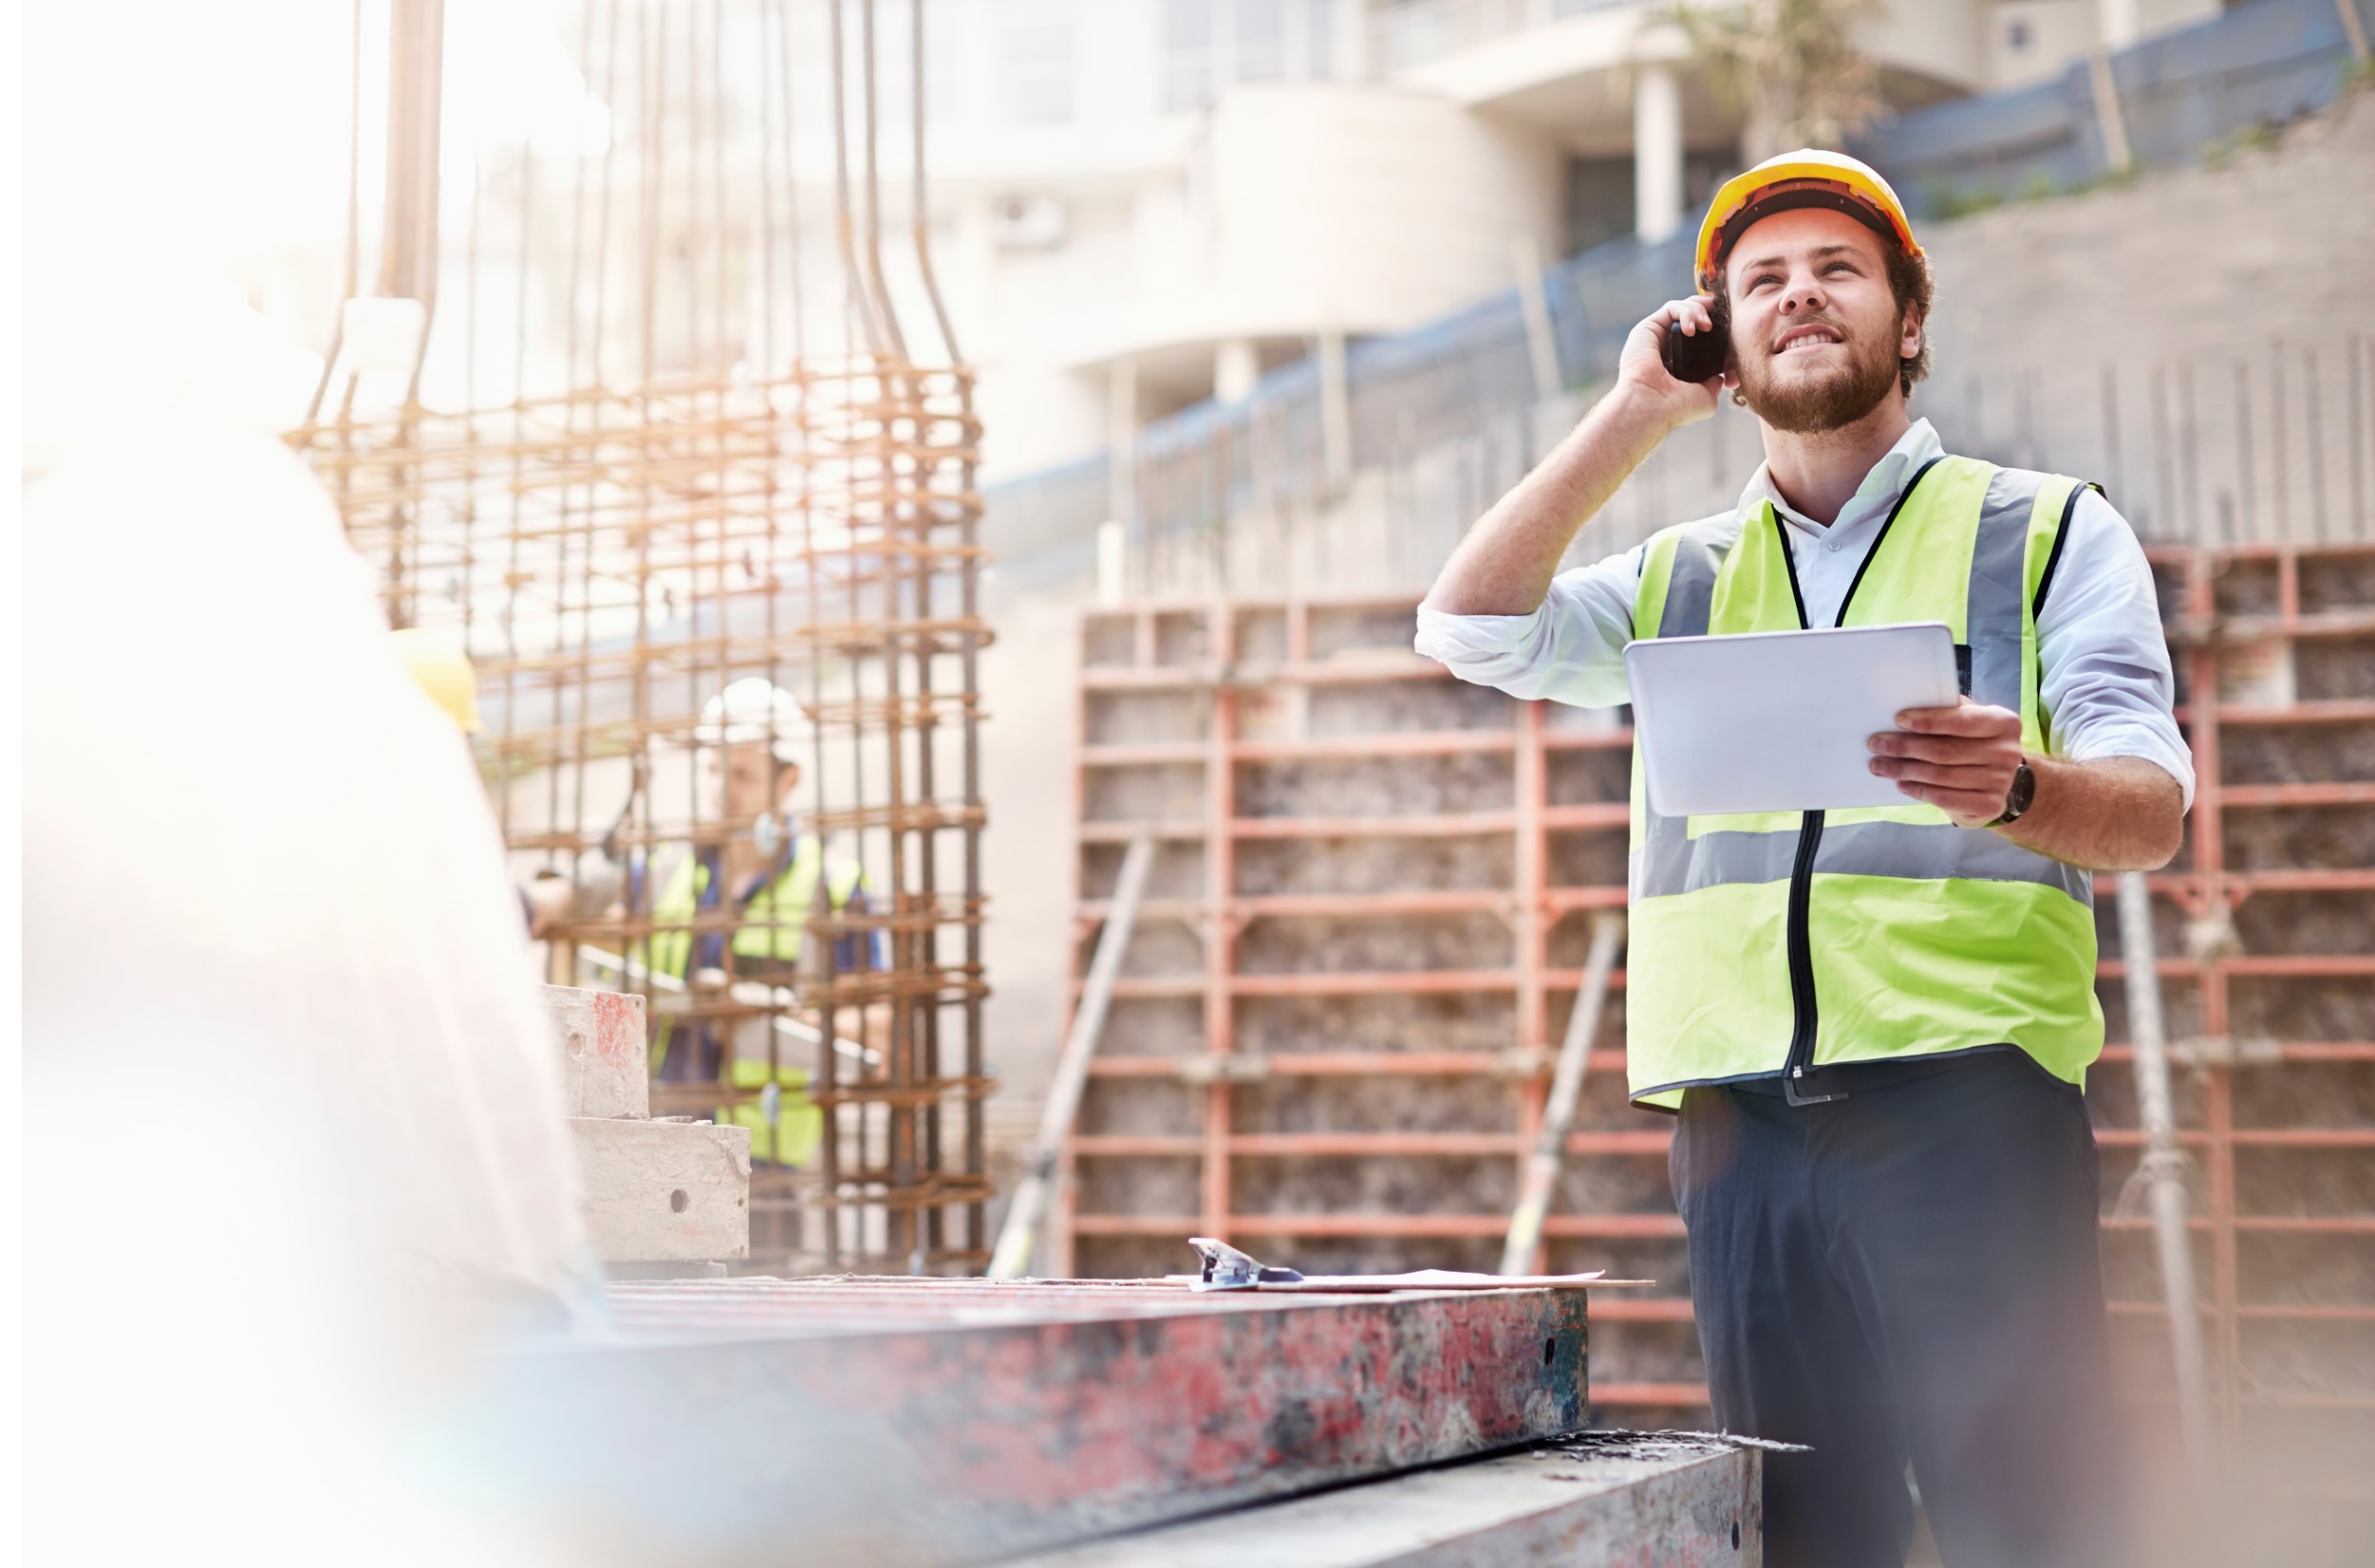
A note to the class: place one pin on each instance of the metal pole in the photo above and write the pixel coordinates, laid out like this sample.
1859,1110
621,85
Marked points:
2164,1168
2117,155
1567,1088
923,212
1020,1231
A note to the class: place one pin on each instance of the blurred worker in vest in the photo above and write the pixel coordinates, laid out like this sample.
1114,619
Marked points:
1873,1025
769,872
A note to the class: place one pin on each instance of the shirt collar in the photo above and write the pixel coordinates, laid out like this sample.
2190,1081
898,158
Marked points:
1879,490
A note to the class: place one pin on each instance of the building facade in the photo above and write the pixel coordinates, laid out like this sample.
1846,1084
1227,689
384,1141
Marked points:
1145,203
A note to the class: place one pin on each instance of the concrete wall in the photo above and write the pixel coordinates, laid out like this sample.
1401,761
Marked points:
2189,262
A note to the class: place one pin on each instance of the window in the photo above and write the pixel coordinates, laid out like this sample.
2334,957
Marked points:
1211,46
1260,40
1035,61
1186,56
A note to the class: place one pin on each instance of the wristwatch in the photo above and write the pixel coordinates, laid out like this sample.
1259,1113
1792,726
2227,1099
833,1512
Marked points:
2019,797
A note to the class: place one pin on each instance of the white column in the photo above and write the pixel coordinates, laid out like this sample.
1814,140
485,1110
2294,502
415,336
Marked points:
1235,368
1335,412
1351,40
2120,23
1656,153
1121,441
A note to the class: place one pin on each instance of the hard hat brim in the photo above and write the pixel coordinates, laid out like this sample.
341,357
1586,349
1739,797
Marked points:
1807,178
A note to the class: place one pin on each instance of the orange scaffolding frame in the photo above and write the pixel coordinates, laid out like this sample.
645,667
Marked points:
1190,650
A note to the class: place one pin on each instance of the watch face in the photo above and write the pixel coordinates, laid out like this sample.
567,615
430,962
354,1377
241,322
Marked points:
2024,790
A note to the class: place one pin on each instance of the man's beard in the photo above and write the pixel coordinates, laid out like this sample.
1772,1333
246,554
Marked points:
1804,405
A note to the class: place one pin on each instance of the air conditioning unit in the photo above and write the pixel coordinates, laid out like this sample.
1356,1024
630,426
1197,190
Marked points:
1027,222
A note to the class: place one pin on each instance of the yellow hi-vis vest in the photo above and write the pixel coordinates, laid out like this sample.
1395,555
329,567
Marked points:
772,925
1765,944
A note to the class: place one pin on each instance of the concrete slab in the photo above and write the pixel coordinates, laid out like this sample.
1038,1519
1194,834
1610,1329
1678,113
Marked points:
1603,1500
664,1191
934,1423
603,1051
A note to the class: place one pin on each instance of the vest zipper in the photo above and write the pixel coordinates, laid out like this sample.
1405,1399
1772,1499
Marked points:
1804,1016
1802,964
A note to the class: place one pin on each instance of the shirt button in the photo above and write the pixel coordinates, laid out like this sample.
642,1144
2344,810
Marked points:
1830,544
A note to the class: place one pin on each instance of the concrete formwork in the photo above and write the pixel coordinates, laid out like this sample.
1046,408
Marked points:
1368,919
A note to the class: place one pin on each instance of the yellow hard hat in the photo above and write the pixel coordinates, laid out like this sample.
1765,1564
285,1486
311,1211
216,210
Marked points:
438,666
1807,177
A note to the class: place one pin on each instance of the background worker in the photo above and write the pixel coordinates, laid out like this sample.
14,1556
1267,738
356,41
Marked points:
771,873
1873,1026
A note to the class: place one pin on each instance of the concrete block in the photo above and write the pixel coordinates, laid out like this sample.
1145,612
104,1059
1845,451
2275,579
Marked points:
603,1051
664,1191
1604,1499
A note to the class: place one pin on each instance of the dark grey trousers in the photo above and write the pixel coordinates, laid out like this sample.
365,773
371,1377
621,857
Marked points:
1910,1273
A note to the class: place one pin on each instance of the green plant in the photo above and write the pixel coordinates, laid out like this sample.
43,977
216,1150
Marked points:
1951,202
1788,65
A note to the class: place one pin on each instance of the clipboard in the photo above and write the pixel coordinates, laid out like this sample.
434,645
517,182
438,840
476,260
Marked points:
1777,721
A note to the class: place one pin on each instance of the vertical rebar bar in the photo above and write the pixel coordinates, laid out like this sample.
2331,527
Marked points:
2355,395
2245,480
2164,511
2279,445
2114,472
2312,395
2190,451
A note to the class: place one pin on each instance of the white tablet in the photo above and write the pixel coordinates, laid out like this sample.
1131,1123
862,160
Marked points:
1777,721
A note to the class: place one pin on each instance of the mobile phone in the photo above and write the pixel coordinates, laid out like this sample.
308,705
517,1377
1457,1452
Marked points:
1695,356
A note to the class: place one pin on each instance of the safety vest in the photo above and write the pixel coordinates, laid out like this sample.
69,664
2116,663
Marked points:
1770,944
771,929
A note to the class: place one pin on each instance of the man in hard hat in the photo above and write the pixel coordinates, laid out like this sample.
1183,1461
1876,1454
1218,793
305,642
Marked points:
771,873
1873,1026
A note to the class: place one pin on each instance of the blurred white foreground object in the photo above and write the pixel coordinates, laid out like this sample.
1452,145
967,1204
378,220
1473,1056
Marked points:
280,1028
382,334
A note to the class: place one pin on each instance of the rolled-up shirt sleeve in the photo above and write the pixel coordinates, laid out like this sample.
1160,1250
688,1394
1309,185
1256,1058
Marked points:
2103,661
1569,650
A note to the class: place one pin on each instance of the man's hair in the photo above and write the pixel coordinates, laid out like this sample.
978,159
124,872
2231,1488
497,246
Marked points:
1909,280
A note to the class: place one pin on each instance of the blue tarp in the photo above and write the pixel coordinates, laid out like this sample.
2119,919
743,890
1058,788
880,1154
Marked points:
2179,93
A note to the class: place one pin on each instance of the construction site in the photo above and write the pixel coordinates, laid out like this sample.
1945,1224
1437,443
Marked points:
996,1009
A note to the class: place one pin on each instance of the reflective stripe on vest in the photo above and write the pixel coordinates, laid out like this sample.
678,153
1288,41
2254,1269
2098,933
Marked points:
1764,944
759,934
799,1122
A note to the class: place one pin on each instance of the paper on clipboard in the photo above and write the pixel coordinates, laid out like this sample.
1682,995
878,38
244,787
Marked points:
1779,721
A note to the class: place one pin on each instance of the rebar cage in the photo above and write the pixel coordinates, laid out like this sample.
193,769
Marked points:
681,491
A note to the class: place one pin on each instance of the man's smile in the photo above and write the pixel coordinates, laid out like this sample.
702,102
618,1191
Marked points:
1808,335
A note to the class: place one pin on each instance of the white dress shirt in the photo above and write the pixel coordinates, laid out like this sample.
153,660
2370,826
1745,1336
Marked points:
2105,665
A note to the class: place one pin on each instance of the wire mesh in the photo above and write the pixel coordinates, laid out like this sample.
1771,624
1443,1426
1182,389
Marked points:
714,467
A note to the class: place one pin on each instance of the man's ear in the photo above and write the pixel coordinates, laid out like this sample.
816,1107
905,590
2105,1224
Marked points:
787,780
1909,334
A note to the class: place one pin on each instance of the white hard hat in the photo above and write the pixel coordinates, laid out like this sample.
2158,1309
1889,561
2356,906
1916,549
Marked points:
751,710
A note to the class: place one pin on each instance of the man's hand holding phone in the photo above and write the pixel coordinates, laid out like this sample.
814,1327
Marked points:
1642,369
1504,565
